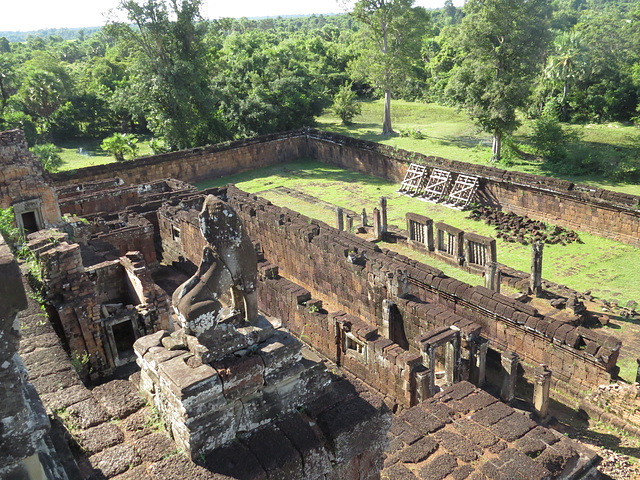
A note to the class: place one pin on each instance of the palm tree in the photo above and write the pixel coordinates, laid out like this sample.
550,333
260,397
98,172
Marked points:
567,61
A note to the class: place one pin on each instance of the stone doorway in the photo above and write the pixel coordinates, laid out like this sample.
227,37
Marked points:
29,222
123,335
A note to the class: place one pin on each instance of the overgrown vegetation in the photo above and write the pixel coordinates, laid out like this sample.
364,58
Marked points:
188,81
345,104
48,155
120,145
8,228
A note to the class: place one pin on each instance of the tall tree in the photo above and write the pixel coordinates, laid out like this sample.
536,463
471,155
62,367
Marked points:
567,60
392,30
171,72
501,44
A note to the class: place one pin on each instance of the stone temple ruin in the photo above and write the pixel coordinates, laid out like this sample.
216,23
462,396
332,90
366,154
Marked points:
259,343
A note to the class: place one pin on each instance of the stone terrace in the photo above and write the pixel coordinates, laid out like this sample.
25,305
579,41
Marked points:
463,432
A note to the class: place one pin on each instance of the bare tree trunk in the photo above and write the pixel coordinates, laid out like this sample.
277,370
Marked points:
497,145
564,100
386,124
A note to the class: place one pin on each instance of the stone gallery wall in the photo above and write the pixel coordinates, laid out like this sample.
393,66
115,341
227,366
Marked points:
601,212
314,260
315,256
198,164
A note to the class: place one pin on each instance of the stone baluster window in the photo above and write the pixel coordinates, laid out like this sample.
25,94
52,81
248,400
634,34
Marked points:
450,242
355,347
416,231
420,229
479,250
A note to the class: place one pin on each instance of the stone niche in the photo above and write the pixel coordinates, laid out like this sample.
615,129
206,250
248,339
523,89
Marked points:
230,373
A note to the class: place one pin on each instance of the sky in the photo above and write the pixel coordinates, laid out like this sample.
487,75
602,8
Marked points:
27,15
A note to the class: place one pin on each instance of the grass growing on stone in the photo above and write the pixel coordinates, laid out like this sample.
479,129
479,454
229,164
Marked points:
609,269
450,134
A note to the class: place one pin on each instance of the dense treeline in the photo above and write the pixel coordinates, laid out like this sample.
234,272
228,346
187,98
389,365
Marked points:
188,81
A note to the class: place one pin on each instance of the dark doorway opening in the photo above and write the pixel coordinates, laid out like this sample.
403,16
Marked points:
396,328
29,222
125,337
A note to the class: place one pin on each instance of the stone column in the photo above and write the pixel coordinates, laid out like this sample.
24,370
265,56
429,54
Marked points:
541,390
510,374
382,203
387,306
638,371
535,281
429,235
363,217
479,362
349,224
491,277
339,219
423,385
377,227
431,353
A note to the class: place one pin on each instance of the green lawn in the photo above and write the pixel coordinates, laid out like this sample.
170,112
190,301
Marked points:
87,153
452,135
609,269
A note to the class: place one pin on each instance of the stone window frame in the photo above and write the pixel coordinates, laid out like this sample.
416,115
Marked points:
420,230
450,245
176,233
477,244
354,347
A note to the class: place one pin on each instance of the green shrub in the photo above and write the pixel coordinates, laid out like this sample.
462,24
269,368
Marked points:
510,151
120,145
158,146
411,132
345,103
548,138
9,231
48,155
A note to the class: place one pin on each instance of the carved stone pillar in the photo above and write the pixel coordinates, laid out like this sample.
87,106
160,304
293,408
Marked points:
423,385
348,224
377,226
510,371
535,281
492,276
478,362
363,217
385,331
339,219
541,390
382,203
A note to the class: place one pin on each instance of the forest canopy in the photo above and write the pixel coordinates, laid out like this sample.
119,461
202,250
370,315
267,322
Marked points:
187,81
